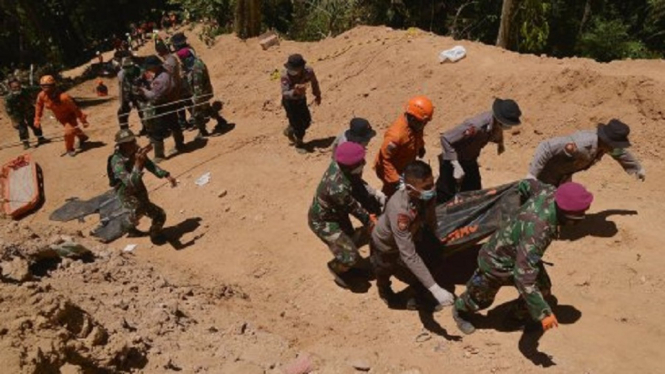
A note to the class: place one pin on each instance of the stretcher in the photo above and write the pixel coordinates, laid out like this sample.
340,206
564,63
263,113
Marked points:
22,186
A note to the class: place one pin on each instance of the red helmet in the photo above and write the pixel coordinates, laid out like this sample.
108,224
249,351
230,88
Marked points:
421,108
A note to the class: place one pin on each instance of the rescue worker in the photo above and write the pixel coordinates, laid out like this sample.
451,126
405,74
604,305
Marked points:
360,131
64,110
161,97
294,80
403,143
329,213
173,66
557,159
513,255
198,80
458,165
127,164
20,106
129,93
398,232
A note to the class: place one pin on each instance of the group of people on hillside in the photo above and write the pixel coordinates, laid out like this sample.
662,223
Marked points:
397,219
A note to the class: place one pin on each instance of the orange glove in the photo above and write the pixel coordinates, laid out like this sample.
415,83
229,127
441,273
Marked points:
549,322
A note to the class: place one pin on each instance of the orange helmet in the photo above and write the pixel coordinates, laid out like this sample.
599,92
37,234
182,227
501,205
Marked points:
420,107
47,80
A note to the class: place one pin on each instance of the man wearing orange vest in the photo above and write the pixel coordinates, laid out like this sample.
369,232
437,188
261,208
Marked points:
65,111
403,143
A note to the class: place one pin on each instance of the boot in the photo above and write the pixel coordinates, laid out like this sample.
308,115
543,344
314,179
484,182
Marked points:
388,296
26,144
158,147
340,273
158,238
82,141
300,146
288,132
462,320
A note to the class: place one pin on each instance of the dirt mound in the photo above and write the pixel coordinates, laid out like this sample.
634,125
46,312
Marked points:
177,306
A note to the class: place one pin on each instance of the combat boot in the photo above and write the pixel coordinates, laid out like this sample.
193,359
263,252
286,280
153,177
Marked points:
300,146
340,273
462,320
158,147
26,144
388,296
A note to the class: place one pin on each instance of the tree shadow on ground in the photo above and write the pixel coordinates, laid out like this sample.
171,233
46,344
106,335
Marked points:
315,144
595,224
175,233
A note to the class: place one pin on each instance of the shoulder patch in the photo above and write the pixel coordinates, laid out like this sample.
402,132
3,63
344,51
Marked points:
470,132
403,222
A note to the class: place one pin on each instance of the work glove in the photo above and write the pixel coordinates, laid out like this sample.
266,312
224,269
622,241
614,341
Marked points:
458,171
641,175
549,322
443,297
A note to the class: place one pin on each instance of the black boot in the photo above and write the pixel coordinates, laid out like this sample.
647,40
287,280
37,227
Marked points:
26,144
462,320
42,140
158,147
388,296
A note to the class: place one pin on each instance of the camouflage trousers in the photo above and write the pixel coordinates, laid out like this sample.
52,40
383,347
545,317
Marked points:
143,207
342,239
482,288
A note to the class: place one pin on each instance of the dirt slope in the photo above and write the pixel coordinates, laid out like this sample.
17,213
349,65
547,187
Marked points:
607,274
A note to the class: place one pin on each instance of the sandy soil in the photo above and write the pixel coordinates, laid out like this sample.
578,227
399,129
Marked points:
256,289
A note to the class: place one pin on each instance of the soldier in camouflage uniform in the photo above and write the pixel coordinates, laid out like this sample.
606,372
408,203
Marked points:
128,78
198,80
127,165
513,255
330,209
20,106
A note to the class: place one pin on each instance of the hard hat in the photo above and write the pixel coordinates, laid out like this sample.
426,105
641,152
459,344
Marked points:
421,108
124,136
47,80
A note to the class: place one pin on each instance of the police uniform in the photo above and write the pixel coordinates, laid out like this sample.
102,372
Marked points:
394,239
464,144
162,97
557,159
295,103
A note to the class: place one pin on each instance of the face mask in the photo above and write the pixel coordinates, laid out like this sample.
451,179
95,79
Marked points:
358,170
293,72
425,195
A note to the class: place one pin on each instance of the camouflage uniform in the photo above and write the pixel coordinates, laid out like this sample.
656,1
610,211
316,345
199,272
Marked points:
513,255
329,215
127,85
132,192
201,87
20,107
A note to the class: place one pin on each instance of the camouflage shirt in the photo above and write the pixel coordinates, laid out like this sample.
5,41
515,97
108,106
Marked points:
515,250
20,105
129,180
199,81
334,200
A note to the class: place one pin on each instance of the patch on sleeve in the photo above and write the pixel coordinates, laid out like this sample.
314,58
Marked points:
403,222
570,149
470,132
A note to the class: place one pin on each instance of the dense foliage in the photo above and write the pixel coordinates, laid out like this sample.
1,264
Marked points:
66,32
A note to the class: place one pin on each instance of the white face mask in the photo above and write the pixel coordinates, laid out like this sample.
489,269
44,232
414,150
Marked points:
293,72
358,170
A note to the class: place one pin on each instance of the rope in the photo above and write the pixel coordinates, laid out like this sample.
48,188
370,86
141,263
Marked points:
54,137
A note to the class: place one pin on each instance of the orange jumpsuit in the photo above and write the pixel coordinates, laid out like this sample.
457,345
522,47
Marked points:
66,112
401,146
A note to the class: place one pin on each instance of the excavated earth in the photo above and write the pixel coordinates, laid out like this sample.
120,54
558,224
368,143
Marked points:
242,287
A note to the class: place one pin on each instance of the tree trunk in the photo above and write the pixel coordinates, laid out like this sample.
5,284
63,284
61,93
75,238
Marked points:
503,39
248,18
585,18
